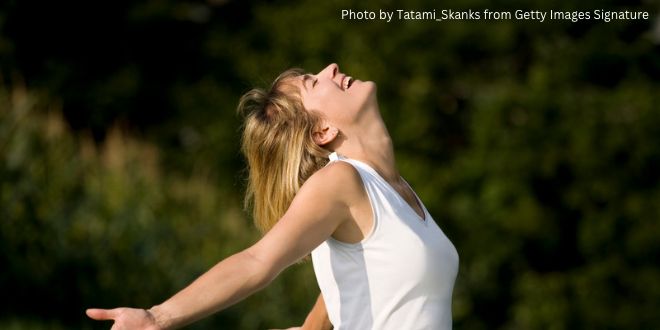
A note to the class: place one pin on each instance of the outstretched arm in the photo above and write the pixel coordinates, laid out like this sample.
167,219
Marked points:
321,205
226,283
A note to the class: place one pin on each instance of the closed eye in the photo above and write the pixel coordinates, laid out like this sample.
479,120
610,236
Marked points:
309,77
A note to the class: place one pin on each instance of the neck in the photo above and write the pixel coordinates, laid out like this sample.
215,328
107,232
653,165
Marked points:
370,142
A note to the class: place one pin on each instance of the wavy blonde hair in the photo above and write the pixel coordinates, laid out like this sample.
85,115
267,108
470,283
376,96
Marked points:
277,143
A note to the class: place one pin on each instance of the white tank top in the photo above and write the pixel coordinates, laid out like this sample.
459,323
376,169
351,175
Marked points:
399,277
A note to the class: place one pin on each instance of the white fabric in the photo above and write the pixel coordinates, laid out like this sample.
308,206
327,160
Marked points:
400,277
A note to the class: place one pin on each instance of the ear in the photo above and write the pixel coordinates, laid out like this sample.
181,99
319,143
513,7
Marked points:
325,134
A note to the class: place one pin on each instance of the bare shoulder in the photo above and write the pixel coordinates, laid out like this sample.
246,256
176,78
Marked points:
339,178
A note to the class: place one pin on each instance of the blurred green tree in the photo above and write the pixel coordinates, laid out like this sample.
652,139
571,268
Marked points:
532,144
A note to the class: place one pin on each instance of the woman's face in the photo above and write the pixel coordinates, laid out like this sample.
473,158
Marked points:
337,96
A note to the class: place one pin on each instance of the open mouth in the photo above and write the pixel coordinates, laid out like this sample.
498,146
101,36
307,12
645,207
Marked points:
347,82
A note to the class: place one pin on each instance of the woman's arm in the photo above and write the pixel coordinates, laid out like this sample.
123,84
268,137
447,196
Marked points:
226,283
317,319
321,205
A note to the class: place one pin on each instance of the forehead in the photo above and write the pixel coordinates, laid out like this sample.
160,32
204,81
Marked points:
291,86
295,84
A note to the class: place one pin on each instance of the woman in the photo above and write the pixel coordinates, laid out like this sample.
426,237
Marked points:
380,260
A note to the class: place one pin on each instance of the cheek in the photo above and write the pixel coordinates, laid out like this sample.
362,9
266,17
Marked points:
343,111
334,104
312,103
322,100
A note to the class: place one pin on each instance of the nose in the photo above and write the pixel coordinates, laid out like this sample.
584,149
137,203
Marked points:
330,70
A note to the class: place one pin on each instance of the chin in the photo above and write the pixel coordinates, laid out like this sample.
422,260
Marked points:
372,88
369,86
368,91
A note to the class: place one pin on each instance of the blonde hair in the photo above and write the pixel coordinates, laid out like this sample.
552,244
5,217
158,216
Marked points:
277,143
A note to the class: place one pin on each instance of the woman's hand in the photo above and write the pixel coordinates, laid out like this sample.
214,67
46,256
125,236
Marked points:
126,318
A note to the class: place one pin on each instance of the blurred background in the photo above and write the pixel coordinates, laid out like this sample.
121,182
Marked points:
534,145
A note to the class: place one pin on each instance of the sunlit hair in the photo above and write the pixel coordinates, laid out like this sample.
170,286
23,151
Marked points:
277,143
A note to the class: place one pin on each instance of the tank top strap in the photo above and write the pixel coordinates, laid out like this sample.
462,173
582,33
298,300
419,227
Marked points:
367,173
334,156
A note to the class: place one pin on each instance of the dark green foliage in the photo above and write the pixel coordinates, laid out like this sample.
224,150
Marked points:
534,145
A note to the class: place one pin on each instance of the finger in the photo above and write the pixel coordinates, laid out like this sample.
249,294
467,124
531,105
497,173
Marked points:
102,314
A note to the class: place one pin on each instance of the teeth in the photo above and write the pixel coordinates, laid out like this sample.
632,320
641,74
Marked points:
347,82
